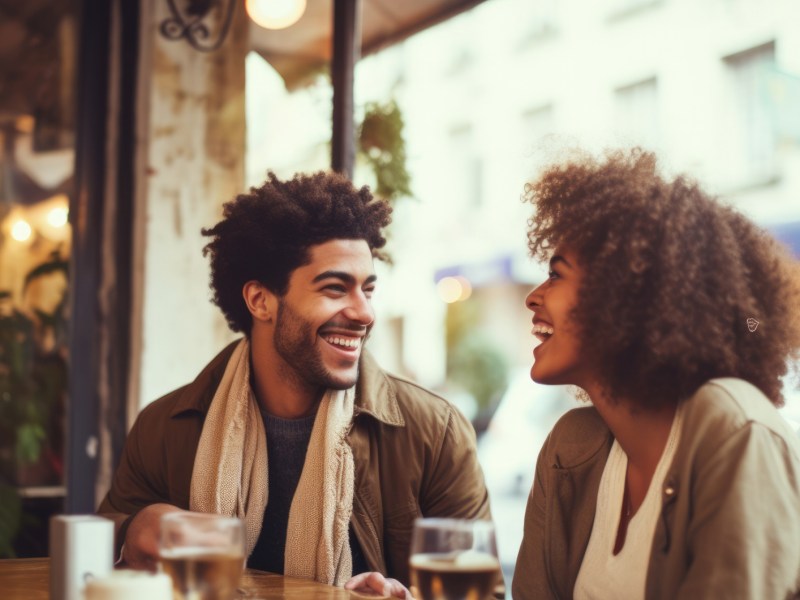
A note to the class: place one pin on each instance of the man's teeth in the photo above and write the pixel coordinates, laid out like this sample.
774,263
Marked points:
543,329
346,342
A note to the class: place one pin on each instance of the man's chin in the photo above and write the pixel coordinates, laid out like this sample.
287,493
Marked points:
339,384
341,381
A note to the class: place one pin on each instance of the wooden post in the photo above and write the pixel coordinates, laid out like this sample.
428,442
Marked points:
100,214
346,52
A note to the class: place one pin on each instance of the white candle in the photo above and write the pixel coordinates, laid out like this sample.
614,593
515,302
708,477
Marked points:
126,584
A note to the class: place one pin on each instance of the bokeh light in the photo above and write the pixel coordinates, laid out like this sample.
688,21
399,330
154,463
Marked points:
21,230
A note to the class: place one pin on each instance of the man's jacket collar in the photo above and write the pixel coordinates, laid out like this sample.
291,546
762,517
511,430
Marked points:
375,392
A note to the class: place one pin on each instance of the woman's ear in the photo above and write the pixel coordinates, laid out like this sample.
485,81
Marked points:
261,302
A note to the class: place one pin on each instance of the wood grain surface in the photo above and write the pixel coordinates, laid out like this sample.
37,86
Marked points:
29,579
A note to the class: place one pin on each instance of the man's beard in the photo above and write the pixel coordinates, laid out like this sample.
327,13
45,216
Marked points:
295,342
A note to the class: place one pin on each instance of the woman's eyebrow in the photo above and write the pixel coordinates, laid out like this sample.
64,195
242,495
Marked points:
559,259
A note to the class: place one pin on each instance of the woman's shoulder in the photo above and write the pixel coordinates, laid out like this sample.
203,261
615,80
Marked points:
577,422
577,436
725,406
736,400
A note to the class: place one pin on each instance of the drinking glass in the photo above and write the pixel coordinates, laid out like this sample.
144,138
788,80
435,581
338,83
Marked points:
454,559
203,554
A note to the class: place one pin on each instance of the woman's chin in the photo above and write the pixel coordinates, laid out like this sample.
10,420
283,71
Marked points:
539,375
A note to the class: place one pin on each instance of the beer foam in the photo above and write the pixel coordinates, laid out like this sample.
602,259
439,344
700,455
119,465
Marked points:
197,552
473,559
469,560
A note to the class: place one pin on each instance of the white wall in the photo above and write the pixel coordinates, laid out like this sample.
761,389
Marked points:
191,159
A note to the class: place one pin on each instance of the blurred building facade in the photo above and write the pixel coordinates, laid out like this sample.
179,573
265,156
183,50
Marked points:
712,86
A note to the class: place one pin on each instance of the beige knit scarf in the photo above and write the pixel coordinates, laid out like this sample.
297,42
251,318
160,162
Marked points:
230,475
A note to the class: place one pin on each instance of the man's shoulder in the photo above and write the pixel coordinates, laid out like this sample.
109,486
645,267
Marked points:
419,404
162,407
192,397
399,401
413,394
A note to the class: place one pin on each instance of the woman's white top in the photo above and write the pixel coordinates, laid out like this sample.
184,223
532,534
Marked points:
622,576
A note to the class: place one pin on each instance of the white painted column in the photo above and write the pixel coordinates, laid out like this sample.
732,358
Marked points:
191,128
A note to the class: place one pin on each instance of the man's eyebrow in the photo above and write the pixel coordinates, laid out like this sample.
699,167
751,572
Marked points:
559,259
343,276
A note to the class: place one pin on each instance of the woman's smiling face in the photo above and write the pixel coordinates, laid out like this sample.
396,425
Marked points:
557,359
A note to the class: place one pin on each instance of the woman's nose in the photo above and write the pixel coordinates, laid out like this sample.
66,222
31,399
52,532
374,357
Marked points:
534,298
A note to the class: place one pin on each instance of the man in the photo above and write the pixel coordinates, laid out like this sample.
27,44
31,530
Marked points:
295,428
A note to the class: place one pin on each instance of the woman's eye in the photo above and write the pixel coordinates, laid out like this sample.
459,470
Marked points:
552,275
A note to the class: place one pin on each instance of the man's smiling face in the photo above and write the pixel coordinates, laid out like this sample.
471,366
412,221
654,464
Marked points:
326,314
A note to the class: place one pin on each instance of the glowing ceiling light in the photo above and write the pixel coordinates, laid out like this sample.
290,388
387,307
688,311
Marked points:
275,14
57,217
21,230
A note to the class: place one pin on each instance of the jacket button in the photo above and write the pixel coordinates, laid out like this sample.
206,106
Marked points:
669,490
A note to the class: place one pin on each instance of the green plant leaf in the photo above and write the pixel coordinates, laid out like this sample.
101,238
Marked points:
382,146
30,438
10,518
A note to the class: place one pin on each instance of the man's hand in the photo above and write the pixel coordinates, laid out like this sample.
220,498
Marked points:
375,585
140,550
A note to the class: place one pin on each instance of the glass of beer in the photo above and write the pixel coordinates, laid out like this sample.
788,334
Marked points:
453,559
203,554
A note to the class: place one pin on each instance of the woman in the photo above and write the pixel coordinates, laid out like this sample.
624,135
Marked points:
676,316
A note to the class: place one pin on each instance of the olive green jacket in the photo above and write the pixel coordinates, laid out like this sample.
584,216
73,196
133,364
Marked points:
414,455
730,516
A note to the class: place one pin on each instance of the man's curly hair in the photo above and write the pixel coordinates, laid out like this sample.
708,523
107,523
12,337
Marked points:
671,279
266,234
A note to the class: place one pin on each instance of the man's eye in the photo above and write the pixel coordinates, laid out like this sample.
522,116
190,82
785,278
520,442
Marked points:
369,291
335,288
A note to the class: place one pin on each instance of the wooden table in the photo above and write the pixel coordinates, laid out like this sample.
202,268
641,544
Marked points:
29,579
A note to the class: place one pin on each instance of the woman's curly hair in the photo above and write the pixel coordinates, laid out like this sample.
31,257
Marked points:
671,279
266,234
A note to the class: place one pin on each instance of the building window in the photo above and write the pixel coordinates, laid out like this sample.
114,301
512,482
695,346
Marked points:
636,114
541,19
619,9
751,127
536,125
466,167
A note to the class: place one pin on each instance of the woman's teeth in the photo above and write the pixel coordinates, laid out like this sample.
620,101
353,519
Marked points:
345,342
543,330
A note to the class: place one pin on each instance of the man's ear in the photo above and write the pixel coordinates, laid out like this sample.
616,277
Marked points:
261,302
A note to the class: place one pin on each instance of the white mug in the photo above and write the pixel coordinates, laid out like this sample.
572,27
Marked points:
81,546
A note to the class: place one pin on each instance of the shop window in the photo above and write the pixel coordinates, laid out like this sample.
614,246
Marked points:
37,108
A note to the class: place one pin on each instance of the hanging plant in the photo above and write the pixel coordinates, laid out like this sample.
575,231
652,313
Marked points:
382,146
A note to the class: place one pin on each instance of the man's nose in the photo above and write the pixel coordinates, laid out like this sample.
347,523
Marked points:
359,309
